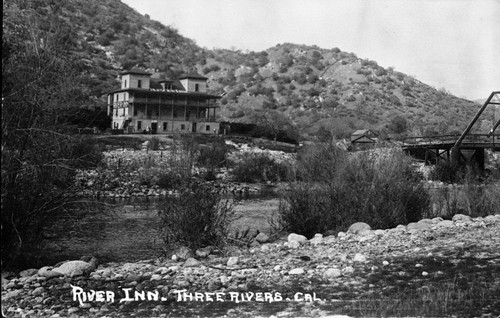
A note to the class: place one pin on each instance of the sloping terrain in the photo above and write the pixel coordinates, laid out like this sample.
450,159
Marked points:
323,92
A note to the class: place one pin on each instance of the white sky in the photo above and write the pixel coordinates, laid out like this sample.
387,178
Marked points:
453,44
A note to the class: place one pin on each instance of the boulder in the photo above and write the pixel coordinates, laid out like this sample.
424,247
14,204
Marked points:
359,258
359,227
418,226
28,272
75,268
317,239
445,223
47,272
192,262
297,238
204,252
232,261
461,218
332,273
262,238
296,271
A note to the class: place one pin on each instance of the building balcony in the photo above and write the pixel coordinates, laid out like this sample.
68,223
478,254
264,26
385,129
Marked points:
210,119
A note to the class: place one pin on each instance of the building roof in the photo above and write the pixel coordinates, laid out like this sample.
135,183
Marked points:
363,136
135,71
169,92
363,132
193,76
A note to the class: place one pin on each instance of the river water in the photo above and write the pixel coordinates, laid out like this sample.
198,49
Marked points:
116,230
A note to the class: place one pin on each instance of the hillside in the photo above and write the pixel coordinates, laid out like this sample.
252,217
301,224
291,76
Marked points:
323,92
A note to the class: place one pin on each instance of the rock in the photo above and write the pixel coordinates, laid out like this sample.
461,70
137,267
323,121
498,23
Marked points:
262,238
38,291
317,239
461,218
297,238
11,294
47,272
232,261
293,244
418,226
224,280
265,247
183,253
330,233
192,262
365,233
75,268
400,228
204,252
214,285
359,258
28,272
358,227
436,220
445,223
296,271
379,232
427,221
332,273
348,270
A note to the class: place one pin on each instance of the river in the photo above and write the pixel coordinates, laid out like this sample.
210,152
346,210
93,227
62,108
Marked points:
116,230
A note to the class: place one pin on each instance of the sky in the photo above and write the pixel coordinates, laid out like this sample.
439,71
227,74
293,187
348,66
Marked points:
450,44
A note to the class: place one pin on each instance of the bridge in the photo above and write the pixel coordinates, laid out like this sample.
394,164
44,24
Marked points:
460,149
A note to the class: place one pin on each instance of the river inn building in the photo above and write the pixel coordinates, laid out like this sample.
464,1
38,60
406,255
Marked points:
146,104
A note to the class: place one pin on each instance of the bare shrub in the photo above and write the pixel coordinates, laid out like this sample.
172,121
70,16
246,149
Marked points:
379,189
195,217
254,167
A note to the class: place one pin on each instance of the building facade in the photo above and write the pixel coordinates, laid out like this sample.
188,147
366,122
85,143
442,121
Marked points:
145,104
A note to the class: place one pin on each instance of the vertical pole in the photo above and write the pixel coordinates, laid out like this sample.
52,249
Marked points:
480,158
455,155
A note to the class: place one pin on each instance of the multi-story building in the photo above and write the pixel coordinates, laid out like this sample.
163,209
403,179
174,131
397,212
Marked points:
146,104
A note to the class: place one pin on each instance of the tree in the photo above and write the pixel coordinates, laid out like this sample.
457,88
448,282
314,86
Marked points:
275,125
398,124
40,80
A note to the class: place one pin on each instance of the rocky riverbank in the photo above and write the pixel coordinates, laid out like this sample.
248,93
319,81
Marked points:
431,268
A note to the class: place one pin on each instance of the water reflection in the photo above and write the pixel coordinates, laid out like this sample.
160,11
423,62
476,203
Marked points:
115,229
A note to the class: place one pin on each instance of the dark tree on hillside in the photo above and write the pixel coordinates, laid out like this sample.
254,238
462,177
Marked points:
398,124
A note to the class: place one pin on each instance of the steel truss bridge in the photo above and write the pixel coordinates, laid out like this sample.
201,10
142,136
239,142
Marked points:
460,149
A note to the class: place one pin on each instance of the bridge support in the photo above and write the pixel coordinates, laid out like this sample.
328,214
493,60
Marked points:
476,160
455,155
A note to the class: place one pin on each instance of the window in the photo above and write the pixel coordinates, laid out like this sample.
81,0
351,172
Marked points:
125,84
207,128
196,87
183,126
139,83
139,125
165,126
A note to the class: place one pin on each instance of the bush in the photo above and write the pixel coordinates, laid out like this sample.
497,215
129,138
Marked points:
473,199
446,171
195,217
336,191
254,167
154,144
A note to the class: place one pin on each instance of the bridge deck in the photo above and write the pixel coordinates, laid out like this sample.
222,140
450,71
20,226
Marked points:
471,141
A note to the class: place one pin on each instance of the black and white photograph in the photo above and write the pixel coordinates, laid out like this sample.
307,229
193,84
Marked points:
250,158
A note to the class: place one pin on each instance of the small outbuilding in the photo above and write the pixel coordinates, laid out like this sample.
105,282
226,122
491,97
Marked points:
363,138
